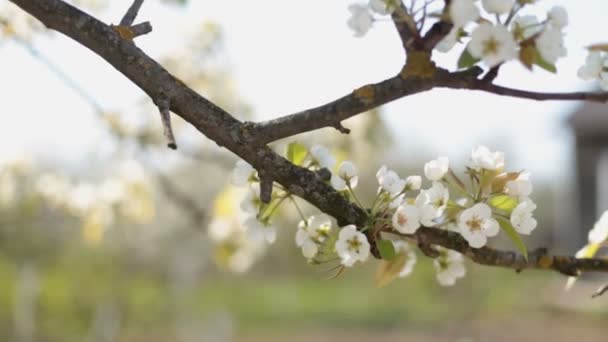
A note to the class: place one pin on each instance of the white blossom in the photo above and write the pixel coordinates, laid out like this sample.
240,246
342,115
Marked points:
322,156
447,43
410,257
483,158
251,202
593,66
599,233
312,233
347,176
521,217
260,231
242,174
477,224
361,19
406,219
463,12
352,246
497,6
526,26
412,183
390,181
520,187
449,266
550,44
558,17
382,7
493,44
431,203
436,169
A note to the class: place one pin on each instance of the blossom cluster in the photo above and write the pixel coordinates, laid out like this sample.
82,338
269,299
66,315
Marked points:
496,30
490,201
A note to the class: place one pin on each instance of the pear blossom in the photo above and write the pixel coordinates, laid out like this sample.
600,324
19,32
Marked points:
311,233
361,19
436,169
382,7
406,219
322,156
594,67
352,246
260,231
483,158
463,12
412,183
390,181
410,257
497,6
242,174
447,43
347,176
493,44
431,203
526,26
599,233
520,187
521,217
550,44
252,202
449,266
558,17
477,224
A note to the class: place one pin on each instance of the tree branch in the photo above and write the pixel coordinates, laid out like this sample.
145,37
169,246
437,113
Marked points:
208,118
247,140
537,259
488,87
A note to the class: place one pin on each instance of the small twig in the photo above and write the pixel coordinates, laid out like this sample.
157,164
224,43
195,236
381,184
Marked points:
265,187
341,128
129,17
165,115
600,291
141,29
491,74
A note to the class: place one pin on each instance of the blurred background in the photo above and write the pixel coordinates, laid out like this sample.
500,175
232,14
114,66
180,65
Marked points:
107,235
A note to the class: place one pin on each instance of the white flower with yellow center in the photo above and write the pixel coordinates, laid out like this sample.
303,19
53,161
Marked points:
352,246
493,44
449,266
477,224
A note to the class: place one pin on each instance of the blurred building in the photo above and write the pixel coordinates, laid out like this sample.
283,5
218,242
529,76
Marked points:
590,127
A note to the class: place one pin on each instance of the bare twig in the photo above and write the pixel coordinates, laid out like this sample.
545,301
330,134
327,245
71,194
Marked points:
165,115
129,17
141,29
600,291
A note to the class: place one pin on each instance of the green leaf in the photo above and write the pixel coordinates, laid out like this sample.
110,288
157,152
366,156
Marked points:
389,270
387,250
513,235
296,152
504,202
466,60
